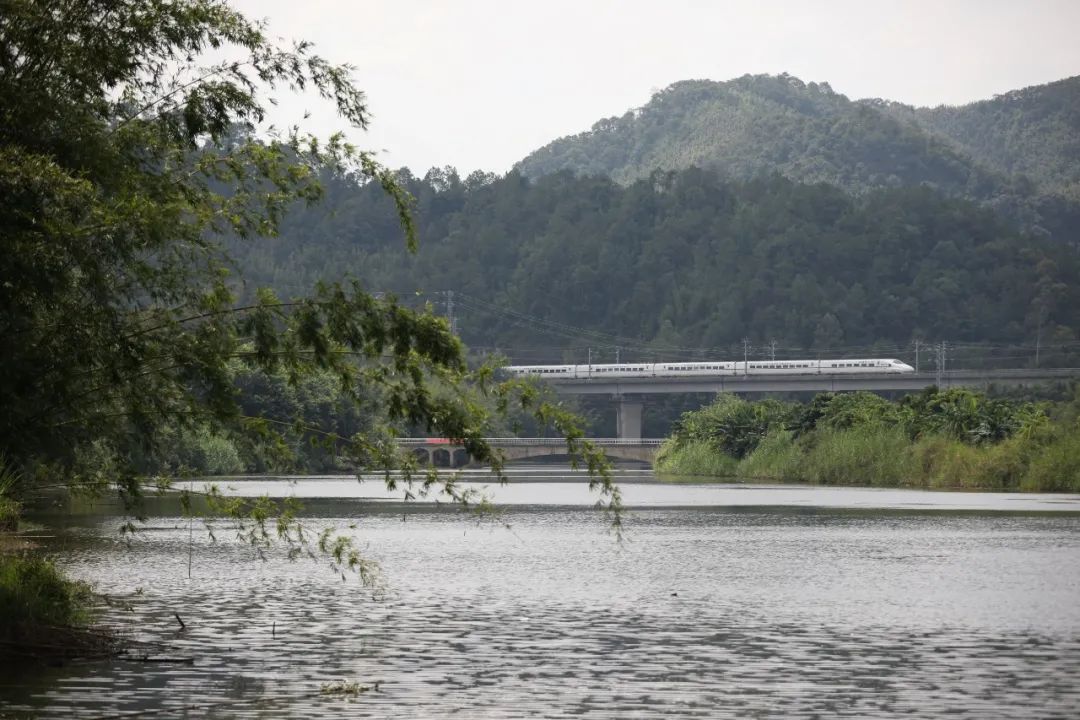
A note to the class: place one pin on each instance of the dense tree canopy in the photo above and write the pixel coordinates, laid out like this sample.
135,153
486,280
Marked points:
1015,153
688,263
124,158
1033,132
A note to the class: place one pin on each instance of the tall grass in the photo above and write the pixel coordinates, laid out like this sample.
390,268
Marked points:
868,455
9,514
1057,467
777,457
943,462
695,457
937,439
34,594
10,509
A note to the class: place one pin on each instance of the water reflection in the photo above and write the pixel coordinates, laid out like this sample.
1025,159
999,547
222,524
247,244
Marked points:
721,609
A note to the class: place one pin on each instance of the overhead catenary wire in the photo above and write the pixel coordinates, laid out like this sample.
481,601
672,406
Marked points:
585,341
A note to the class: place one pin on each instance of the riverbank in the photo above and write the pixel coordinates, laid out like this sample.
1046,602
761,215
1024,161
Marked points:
44,616
952,439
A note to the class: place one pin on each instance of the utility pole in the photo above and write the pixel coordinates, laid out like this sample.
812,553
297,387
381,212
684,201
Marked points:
917,354
772,350
941,349
1038,336
617,355
590,362
746,355
450,311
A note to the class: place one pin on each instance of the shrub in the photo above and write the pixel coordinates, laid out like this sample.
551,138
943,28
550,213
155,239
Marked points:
695,458
871,455
943,462
731,424
207,453
1056,467
777,457
966,415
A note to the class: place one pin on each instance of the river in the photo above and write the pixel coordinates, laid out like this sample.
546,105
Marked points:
721,601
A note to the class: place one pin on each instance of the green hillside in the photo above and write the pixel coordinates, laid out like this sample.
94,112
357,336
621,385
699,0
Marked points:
762,208
689,262
760,124
1033,132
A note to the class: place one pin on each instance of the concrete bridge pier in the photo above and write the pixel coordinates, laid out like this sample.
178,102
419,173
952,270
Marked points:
628,419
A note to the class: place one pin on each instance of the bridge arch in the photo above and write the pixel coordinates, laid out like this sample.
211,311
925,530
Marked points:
444,455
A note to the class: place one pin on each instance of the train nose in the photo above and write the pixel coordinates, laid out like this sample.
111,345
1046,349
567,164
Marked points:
904,367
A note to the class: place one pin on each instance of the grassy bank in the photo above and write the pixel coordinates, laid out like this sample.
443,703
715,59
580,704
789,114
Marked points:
9,514
44,616
939,439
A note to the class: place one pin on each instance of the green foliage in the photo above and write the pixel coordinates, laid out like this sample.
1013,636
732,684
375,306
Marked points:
694,458
759,124
34,594
968,416
10,480
778,457
1056,465
205,453
693,261
731,425
1014,152
842,411
863,455
937,439
10,511
1029,132
121,164
127,153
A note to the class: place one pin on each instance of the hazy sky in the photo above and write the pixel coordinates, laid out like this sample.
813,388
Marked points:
478,84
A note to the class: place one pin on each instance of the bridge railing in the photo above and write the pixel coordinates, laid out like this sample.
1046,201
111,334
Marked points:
531,442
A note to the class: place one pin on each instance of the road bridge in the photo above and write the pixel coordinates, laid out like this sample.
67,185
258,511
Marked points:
630,406
447,454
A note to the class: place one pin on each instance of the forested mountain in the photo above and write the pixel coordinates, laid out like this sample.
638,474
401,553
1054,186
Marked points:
759,124
1008,153
688,262
1033,132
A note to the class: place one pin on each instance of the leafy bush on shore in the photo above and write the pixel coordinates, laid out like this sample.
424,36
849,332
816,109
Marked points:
1057,467
865,455
776,458
697,458
936,439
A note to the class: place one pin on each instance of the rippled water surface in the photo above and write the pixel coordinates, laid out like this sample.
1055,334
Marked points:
740,601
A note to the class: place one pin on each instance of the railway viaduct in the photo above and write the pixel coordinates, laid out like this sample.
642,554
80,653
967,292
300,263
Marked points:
629,392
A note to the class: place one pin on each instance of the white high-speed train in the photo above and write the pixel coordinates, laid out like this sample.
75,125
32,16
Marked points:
845,366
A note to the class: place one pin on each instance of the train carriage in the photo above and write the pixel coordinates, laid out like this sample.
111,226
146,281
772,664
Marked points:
714,368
